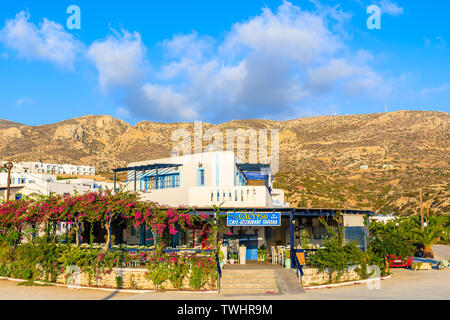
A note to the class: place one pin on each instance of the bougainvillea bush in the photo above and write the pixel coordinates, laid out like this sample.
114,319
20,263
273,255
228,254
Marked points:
32,248
103,207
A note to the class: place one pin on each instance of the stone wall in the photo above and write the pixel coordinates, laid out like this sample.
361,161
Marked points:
132,278
312,276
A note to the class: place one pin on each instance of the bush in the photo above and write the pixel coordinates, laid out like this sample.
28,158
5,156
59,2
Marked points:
197,280
157,272
336,256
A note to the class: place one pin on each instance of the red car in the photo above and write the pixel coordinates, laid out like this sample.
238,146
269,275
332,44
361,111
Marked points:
398,262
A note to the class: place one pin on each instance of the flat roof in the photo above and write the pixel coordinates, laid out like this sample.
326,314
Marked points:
148,167
253,167
13,187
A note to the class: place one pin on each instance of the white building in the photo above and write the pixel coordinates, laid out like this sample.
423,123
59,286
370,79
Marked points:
383,218
203,180
50,168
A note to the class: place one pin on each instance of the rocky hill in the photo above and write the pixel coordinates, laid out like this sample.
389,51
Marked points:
320,157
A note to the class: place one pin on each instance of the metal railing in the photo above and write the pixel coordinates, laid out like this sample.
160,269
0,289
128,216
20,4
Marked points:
297,264
298,267
219,272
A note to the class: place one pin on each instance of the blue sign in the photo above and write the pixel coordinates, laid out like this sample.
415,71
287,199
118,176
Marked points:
261,219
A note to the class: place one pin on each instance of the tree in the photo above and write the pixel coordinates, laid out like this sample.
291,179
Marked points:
391,238
337,255
435,228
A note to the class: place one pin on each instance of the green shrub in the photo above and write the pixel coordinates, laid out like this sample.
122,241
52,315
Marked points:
197,279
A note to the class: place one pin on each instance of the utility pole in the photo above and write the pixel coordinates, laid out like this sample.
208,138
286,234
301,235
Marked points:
421,211
8,166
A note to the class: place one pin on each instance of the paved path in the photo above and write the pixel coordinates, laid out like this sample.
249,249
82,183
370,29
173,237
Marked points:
404,284
441,252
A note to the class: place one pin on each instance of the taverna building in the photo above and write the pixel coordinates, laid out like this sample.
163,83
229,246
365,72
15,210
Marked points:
243,191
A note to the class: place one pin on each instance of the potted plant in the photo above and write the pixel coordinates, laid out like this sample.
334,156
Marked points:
287,260
304,239
221,259
233,257
262,253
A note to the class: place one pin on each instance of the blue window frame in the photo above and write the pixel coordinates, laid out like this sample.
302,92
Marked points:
201,177
166,181
240,179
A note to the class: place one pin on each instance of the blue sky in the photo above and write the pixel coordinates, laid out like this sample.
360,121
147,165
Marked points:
217,61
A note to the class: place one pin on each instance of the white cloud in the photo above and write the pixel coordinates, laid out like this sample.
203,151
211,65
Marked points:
435,90
391,8
25,100
122,112
441,42
48,41
272,65
168,103
438,42
289,33
120,60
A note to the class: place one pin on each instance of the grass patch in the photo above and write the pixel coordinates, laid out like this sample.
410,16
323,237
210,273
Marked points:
31,283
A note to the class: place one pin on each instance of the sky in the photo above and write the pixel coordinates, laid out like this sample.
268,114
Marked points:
220,60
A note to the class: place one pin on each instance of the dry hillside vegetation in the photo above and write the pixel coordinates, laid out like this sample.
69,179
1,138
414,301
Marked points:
320,157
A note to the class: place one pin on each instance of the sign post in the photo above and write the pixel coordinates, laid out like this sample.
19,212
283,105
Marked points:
254,219
8,166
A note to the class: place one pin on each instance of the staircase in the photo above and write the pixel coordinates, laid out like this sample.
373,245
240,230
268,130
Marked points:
248,281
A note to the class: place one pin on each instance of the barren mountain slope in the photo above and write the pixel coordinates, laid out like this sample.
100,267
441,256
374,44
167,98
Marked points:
320,157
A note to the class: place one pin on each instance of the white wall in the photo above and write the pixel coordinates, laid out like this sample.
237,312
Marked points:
353,220
170,197
247,196
222,162
38,167
220,170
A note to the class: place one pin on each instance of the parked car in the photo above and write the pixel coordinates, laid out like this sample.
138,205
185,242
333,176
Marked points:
399,262
419,250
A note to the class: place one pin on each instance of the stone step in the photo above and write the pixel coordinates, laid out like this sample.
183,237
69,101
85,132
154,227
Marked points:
226,280
247,274
252,281
243,278
231,270
249,291
266,286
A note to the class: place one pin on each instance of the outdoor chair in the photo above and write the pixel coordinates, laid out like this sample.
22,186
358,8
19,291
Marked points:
274,255
281,253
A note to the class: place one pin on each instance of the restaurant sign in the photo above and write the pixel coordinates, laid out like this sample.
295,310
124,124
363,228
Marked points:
268,219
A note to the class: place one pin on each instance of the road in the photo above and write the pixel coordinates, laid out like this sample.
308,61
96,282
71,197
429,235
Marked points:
404,284
441,252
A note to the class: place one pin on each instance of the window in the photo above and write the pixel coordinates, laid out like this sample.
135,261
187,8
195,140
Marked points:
201,177
163,182
191,238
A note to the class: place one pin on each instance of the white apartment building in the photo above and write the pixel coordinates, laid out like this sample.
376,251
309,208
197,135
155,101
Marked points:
50,168
46,184
203,180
